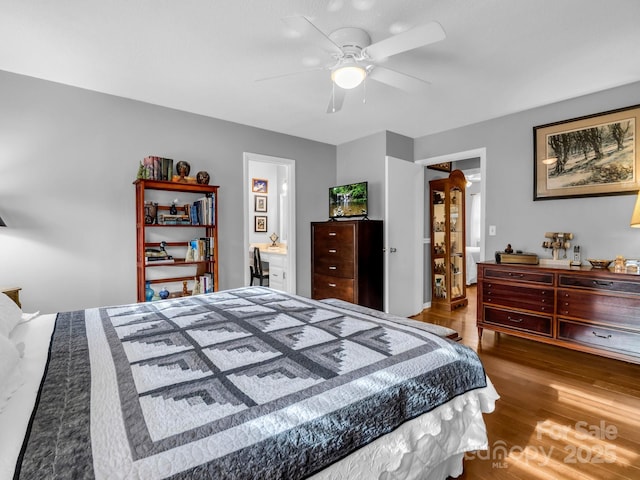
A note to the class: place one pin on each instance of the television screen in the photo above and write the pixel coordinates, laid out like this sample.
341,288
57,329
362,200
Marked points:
348,200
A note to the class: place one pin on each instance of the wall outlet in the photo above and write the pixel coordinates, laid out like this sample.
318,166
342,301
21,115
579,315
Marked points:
492,230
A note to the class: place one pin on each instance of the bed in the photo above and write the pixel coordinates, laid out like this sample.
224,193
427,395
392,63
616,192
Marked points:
472,257
243,383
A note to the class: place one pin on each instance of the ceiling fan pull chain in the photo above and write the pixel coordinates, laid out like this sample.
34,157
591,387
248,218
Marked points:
333,97
364,91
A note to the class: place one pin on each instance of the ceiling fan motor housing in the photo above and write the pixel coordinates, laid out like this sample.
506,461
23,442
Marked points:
352,41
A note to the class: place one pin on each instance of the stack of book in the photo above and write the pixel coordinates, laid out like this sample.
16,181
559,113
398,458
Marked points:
158,168
156,258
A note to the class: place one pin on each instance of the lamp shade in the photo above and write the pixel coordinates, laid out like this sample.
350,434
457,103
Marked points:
348,76
635,216
2,224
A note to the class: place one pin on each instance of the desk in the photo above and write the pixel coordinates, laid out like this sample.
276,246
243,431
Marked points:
277,260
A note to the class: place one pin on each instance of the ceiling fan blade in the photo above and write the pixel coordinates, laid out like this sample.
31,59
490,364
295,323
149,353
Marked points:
307,29
336,100
399,80
416,37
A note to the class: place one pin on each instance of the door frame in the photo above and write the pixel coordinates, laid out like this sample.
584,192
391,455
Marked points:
290,167
464,155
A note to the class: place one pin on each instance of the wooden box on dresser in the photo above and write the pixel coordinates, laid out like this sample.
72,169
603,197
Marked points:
591,310
347,261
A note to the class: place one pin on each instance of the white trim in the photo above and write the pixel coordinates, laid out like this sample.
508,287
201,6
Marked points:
453,157
291,195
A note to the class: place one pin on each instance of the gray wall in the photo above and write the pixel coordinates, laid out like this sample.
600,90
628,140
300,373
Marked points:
600,224
68,158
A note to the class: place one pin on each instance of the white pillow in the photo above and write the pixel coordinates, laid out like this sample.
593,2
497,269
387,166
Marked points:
10,373
10,314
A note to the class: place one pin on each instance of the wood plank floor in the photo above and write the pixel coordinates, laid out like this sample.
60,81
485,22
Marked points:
562,414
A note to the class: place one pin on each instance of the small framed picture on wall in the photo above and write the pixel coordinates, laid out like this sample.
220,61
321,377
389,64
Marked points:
260,223
259,185
260,203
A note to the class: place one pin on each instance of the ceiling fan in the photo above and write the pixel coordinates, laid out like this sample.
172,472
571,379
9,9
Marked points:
354,58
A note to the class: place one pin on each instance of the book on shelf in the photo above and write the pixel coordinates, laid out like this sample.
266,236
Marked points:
158,260
158,168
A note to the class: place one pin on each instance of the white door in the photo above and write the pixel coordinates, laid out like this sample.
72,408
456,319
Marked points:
404,231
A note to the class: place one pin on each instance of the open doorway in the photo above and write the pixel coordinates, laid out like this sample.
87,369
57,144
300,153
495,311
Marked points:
478,153
270,217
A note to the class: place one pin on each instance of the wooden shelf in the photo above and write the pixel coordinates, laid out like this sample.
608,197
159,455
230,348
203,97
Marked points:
200,267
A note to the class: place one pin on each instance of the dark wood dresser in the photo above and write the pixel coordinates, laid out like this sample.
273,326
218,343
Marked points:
591,310
347,261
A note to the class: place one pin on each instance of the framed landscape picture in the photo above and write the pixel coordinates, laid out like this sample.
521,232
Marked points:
260,203
260,223
588,156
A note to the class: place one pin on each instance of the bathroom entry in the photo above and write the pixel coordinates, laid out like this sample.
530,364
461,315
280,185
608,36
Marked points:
269,223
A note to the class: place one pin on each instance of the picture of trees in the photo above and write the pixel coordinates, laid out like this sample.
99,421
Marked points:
588,156
603,154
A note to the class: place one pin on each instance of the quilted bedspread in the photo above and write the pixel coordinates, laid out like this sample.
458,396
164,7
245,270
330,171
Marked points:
244,383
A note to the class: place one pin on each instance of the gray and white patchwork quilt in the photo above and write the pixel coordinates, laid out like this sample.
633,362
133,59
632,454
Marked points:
238,384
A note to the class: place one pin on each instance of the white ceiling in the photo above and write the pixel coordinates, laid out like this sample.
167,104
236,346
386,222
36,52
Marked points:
204,56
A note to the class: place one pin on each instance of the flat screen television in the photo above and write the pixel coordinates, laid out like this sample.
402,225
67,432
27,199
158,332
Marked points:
348,200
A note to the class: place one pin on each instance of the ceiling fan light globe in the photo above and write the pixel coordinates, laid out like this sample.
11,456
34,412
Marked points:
348,77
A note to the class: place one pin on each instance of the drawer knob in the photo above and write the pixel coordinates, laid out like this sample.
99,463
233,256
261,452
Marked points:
332,267
515,320
332,234
606,337
332,284
332,250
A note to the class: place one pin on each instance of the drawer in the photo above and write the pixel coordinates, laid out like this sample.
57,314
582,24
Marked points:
617,311
538,324
335,266
528,298
276,277
325,286
601,337
598,283
333,234
543,278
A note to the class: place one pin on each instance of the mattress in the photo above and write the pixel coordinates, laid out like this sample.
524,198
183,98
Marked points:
429,446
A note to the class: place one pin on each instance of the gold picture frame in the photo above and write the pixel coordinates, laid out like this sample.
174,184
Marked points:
442,167
589,156
259,185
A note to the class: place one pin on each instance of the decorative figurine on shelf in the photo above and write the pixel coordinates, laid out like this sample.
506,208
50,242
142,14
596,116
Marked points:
182,170
148,292
164,293
150,213
508,249
196,287
185,292
274,238
202,178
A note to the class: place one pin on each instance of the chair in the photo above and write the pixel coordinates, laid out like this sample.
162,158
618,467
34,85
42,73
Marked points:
258,271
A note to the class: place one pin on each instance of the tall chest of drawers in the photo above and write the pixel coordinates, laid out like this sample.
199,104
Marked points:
347,261
595,311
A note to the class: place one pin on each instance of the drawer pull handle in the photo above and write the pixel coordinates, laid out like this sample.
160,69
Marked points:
332,234
606,337
333,267
519,275
332,250
332,284
602,284
516,320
